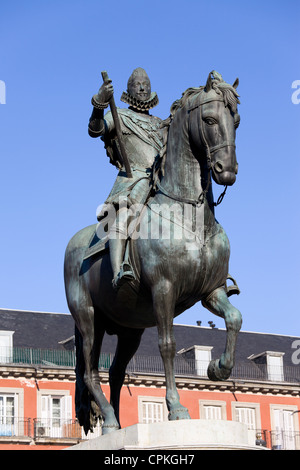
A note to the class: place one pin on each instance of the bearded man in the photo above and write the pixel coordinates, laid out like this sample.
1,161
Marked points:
143,141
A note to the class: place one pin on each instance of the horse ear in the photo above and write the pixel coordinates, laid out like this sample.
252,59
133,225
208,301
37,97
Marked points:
236,83
208,85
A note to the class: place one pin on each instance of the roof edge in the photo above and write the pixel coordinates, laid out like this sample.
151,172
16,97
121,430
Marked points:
241,331
31,311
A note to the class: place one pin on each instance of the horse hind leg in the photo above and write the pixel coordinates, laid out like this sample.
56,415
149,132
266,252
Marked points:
87,411
126,348
218,303
88,387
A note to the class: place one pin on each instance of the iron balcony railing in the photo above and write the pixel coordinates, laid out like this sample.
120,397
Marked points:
284,440
12,426
148,364
277,440
56,428
41,430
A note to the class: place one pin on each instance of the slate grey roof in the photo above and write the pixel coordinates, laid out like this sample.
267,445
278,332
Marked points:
37,329
47,330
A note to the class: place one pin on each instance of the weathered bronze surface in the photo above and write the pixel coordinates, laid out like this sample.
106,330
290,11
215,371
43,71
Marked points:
172,164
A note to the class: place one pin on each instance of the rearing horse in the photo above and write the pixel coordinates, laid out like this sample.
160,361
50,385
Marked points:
172,273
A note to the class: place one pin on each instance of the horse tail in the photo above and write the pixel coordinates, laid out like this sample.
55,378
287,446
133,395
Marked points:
87,411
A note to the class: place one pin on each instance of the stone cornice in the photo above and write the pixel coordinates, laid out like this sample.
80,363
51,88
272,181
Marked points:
37,372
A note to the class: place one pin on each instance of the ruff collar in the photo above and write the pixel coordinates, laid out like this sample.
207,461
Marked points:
139,104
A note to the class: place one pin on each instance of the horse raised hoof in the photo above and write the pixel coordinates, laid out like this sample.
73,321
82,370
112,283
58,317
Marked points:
216,372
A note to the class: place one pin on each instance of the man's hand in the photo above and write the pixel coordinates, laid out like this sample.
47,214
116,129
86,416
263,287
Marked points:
105,92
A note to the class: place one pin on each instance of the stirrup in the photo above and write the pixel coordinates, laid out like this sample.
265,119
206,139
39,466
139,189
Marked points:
233,289
125,275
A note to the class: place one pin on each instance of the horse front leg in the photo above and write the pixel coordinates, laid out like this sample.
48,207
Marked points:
163,305
218,303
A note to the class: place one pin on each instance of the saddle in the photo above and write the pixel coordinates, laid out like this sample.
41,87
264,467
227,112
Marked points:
100,246
97,245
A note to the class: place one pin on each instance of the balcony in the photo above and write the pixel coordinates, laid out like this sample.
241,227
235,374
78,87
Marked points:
16,430
54,430
147,364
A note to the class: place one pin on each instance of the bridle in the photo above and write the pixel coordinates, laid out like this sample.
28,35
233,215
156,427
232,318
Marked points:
209,151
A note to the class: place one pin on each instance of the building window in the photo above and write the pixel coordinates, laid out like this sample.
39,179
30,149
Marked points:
12,419
152,410
55,414
247,413
275,366
6,346
246,416
212,409
202,358
198,357
8,407
272,363
285,427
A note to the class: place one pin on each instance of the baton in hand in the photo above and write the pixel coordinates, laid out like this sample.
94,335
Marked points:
115,116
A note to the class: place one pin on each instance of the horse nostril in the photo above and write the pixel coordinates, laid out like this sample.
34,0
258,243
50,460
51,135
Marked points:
218,167
236,168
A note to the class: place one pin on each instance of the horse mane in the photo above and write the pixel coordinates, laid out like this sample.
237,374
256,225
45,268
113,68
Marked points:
159,164
230,98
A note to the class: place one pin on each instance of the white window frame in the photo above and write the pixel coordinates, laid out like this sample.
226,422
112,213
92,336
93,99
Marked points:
16,428
53,425
285,426
6,346
275,371
158,401
254,411
202,359
201,355
275,366
217,408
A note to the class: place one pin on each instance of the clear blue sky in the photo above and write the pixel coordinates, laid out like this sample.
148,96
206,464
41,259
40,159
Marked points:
53,175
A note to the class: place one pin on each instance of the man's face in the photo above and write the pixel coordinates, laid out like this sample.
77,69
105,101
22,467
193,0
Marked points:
140,88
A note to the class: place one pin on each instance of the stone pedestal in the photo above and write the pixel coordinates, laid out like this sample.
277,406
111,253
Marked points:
176,436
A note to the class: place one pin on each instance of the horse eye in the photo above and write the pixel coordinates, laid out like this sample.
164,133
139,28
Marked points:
210,121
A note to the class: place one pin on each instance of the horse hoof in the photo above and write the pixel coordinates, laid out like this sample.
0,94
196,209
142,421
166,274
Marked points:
215,372
107,429
179,413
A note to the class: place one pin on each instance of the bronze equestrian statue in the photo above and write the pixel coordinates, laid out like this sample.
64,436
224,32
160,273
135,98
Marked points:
167,274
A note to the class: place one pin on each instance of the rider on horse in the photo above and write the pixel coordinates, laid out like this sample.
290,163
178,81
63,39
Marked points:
143,141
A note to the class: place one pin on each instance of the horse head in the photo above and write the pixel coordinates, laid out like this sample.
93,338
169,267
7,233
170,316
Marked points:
213,124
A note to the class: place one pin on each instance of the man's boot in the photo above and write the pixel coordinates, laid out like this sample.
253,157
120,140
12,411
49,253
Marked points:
122,271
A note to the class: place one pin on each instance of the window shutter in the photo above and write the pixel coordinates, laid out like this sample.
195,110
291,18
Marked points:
212,412
67,408
246,416
45,409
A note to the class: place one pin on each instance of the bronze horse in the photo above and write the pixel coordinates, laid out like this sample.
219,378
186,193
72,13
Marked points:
172,273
